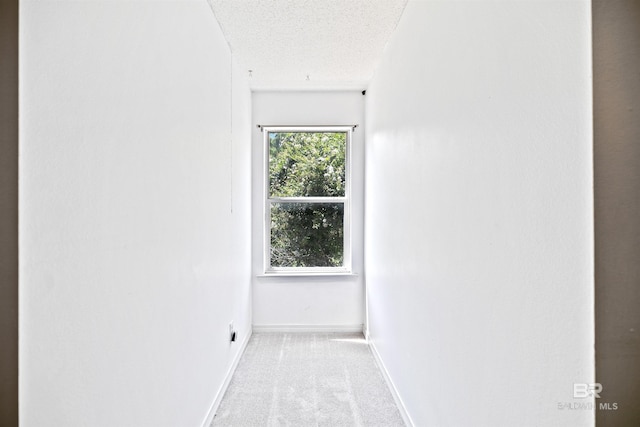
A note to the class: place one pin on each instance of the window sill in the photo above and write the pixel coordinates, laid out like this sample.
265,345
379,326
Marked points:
308,274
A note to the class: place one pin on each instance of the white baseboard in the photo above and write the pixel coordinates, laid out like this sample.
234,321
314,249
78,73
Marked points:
308,328
394,392
223,388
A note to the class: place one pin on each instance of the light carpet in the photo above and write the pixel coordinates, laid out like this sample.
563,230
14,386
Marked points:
307,379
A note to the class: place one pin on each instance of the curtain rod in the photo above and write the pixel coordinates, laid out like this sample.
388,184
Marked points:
261,127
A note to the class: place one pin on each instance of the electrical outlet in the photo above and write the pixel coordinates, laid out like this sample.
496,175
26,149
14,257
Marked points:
232,333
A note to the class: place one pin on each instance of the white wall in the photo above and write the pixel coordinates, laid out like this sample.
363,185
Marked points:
479,252
309,301
134,221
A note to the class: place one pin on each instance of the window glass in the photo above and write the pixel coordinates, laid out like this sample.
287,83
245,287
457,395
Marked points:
307,234
303,164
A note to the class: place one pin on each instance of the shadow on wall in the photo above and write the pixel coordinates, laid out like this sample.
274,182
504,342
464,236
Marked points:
9,213
616,93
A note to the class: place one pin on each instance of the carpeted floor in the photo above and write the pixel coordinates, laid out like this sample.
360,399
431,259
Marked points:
307,379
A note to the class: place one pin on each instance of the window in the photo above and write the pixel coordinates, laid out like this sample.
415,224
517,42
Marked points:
307,199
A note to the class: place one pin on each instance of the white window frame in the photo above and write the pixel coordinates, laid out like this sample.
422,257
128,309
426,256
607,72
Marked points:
346,200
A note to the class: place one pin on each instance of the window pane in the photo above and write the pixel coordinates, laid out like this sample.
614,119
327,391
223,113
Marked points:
307,164
307,234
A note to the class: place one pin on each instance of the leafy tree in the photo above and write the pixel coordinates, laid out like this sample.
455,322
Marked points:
303,164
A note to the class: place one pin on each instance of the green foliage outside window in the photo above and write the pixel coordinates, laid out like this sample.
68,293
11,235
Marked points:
307,164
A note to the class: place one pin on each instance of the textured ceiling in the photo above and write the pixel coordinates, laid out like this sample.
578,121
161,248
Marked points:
336,43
